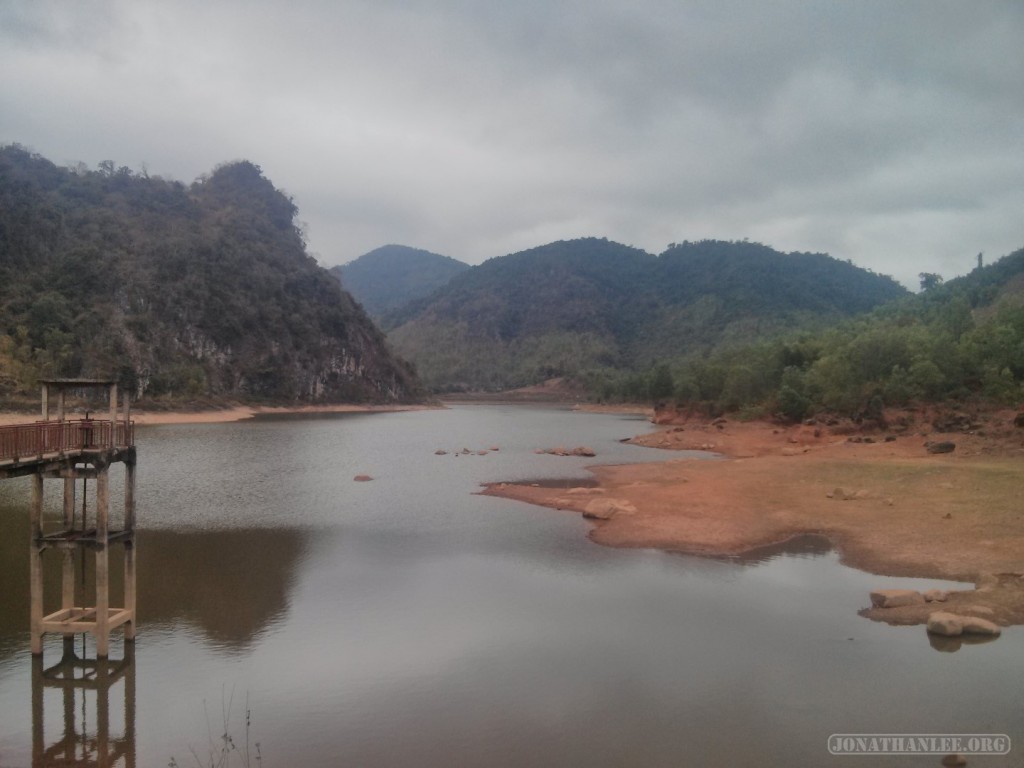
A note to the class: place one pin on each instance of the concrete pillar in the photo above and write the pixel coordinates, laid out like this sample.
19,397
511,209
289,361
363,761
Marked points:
68,566
61,402
36,566
103,563
129,549
46,402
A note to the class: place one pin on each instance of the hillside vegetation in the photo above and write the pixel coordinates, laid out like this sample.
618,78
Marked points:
962,341
389,277
573,307
181,292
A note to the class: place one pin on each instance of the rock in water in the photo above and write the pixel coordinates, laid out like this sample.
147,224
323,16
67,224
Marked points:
894,598
946,624
972,625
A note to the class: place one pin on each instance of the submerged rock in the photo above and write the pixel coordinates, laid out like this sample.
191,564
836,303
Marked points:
362,478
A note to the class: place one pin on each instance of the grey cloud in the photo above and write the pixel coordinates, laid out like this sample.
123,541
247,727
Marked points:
886,133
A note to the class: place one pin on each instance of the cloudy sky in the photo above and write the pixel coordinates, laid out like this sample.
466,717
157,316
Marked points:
887,133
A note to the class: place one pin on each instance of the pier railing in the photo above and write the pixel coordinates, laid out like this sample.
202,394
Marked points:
22,441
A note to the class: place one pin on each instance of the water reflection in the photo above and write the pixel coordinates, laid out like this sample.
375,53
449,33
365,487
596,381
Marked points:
804,545
233,585
85,687
953,644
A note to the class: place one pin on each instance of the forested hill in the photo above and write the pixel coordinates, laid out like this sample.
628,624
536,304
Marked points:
185,292
573,306
962,341
389,277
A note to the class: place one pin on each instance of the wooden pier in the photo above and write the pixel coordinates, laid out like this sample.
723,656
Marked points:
84,449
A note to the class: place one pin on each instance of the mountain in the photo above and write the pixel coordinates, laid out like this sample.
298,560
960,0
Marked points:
570,306
960,343
389,277
180,291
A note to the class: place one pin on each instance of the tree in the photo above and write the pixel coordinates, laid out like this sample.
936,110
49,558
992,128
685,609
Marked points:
929,280
661,385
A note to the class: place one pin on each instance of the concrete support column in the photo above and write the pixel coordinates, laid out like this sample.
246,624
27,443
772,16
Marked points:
103,563
68,566
129,549
36,566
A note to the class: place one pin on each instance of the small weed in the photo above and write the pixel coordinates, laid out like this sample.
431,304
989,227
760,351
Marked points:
222,752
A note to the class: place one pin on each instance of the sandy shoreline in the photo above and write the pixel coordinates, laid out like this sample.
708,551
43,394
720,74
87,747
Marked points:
889,508
224,415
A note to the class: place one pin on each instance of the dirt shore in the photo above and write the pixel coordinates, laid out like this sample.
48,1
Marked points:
222,415
887,505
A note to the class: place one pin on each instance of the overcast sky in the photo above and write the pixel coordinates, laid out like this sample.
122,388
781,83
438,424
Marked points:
890,133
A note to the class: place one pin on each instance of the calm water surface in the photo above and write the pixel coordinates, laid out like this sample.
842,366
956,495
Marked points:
408,622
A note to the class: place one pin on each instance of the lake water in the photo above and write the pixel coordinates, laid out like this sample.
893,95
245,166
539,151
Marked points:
408,622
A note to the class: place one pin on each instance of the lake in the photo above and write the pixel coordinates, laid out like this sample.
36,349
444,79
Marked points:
408,622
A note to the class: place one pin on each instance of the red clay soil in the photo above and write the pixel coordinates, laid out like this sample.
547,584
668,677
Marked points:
888,505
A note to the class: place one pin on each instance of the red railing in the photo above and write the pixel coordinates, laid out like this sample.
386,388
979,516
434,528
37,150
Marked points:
24,441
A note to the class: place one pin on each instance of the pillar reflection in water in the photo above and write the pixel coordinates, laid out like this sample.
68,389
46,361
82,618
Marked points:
86,687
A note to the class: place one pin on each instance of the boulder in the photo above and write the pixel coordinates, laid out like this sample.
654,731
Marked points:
936,596
362,478
606,509
894,598
954,760
582,450
945,624
440,452
972,625
941,447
